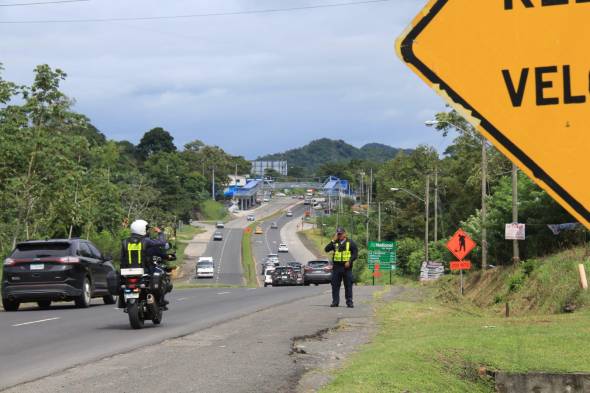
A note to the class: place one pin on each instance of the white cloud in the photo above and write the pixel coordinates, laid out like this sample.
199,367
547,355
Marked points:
252,84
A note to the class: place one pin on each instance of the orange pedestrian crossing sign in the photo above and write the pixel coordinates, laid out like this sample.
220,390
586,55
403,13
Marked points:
518,71
460,244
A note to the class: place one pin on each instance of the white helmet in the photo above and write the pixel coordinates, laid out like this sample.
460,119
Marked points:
139,227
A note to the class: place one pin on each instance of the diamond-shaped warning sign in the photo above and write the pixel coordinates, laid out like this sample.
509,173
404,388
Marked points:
460,244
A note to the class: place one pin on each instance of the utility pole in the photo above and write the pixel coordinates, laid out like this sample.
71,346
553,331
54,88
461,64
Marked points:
213,184
484,181
436,203
515,250
379,215
369,199
427,213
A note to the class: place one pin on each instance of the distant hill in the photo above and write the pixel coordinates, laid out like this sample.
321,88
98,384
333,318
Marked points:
321,151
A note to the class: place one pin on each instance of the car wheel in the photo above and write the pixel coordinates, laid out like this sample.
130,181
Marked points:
109,299
83,301
44,304
317,285
10,305
265,285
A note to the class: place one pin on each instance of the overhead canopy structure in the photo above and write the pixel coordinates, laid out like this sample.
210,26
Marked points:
246,195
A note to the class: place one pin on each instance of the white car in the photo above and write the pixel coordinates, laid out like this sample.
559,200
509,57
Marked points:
283,247
266,200
268,275
205,267
289,213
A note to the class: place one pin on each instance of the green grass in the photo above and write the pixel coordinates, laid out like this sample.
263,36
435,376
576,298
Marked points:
425,346
183,236
248,263
537,286
213,211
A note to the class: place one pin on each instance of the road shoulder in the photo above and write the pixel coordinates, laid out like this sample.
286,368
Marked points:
249,354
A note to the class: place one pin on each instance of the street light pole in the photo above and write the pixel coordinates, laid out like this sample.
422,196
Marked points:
426,212
515,249
484,187
436,203
426,205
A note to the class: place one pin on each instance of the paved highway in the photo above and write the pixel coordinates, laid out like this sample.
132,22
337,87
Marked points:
227,254
35,342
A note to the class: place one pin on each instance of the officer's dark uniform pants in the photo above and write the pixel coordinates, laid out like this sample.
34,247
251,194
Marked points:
339,274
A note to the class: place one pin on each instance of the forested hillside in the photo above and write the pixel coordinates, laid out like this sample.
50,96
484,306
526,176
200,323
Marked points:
307,160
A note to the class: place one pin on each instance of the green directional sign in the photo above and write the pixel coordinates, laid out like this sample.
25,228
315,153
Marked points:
384,254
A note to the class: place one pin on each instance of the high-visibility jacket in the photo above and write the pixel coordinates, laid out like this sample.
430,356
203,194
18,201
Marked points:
342,256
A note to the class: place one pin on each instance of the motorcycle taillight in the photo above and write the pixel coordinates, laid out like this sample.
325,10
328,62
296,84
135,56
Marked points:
132,280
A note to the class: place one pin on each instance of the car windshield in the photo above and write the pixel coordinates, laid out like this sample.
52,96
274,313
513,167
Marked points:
41,250
317,264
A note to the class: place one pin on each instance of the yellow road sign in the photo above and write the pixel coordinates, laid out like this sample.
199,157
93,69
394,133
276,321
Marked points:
519,70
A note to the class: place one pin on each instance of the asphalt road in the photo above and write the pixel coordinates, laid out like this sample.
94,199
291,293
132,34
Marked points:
227,253
35,343
269,241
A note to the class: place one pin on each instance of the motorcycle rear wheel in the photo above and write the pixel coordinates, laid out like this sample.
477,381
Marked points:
157,314
135,318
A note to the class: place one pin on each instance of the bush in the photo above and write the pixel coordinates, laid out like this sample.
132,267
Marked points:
516,281
212,211
405,247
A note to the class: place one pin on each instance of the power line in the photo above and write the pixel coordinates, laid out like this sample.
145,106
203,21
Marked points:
43,3
188,16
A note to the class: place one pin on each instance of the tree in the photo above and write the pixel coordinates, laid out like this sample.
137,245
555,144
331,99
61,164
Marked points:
156,140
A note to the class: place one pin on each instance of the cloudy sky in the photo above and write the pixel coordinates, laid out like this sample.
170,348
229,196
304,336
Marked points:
252,84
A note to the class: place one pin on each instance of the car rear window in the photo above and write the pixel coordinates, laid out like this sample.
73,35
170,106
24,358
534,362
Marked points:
41,250
204,264
317,264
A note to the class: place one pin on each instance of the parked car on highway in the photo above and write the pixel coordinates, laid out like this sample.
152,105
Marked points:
284,275
268,271
266,199
317,272
218,235
205,267
289,213
283,247
274,225
46,271
251,217
259,231
220,225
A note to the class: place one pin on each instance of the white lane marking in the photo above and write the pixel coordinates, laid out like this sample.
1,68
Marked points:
181,299
39,321
221,256
223,293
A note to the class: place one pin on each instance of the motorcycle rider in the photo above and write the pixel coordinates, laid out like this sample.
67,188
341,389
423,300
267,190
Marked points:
138,250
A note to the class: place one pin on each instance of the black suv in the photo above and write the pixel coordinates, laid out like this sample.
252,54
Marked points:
43,271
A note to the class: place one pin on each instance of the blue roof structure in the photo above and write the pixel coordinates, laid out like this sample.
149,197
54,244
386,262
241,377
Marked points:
251,188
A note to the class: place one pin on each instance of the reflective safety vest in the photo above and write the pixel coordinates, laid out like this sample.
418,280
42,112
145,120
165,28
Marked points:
135,252
342,256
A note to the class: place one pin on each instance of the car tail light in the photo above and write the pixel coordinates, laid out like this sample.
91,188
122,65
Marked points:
308,269
328,268
9,262
68,260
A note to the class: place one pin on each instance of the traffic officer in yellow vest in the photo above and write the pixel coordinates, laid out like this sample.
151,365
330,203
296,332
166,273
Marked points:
345,253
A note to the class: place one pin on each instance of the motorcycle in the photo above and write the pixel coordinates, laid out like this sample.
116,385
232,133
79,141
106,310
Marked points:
142,292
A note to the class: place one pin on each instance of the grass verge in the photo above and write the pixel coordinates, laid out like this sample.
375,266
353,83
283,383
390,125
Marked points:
183,236
213,211
426,346
248,263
